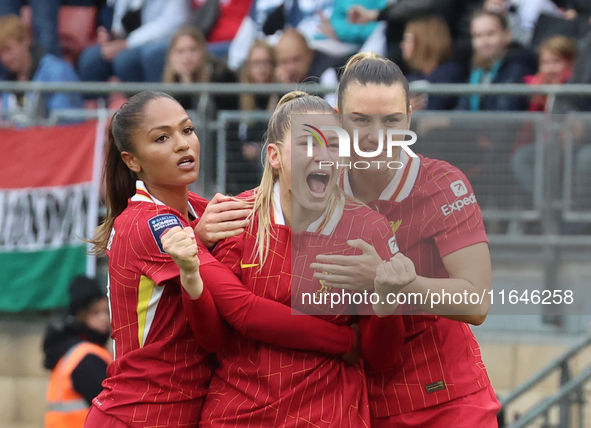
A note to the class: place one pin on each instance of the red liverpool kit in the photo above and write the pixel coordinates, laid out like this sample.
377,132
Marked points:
263,385
433,212
160,373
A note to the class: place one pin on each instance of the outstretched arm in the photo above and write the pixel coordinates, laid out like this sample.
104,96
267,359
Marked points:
270,321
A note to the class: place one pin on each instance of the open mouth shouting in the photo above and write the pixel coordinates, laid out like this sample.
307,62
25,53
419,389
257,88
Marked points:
186,163
318,183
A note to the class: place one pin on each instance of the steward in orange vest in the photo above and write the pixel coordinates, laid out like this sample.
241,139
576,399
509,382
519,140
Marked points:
76,355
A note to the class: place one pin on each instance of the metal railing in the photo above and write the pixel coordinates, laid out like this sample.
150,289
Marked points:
547,206
272,88
569,394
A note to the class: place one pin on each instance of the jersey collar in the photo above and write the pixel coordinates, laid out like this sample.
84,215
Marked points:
401,184
321,225
278,217
142,195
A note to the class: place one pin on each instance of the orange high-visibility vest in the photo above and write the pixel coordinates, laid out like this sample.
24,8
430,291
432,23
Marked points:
67,408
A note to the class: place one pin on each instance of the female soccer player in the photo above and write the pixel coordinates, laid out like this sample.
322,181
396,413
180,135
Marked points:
257,384
438,377
163,319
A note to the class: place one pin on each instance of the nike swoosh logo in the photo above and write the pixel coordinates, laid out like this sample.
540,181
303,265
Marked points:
247,265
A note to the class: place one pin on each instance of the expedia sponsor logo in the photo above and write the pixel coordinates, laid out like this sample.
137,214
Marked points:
447,209
459,188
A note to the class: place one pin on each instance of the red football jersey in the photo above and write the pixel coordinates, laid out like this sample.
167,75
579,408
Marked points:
160,373
260,385
433,212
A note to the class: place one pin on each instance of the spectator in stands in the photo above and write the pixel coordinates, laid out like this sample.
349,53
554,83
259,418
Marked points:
26,61
259,68
493,62
398,14
556,60
45,20
426,48
491,146
244,141
557,55
569,103
189,61
297,63
76,355
127,51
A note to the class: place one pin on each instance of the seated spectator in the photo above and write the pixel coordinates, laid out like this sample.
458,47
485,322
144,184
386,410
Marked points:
26,61
556,60
188,61
492,146
244,141
127,51
297,63
76,355
426,48
45,20
493,62
557,56
397,14
259,68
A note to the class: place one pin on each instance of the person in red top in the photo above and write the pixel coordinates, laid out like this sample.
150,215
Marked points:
160,371
163,318
437,377
258,384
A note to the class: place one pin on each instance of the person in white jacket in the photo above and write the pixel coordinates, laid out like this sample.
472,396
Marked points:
127,50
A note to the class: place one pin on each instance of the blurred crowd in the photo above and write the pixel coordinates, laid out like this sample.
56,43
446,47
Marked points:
266,41
292,41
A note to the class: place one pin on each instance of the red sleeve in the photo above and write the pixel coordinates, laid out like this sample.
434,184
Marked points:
208,326
206,323
151,260
229,252
381,340
454,219
269,321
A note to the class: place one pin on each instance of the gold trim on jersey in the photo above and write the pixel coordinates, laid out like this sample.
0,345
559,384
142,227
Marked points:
147,301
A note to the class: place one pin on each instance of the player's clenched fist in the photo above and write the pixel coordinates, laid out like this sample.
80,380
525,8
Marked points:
182,247
394,274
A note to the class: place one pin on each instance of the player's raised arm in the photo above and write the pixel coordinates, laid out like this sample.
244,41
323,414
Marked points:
206,323
268,320
180,244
